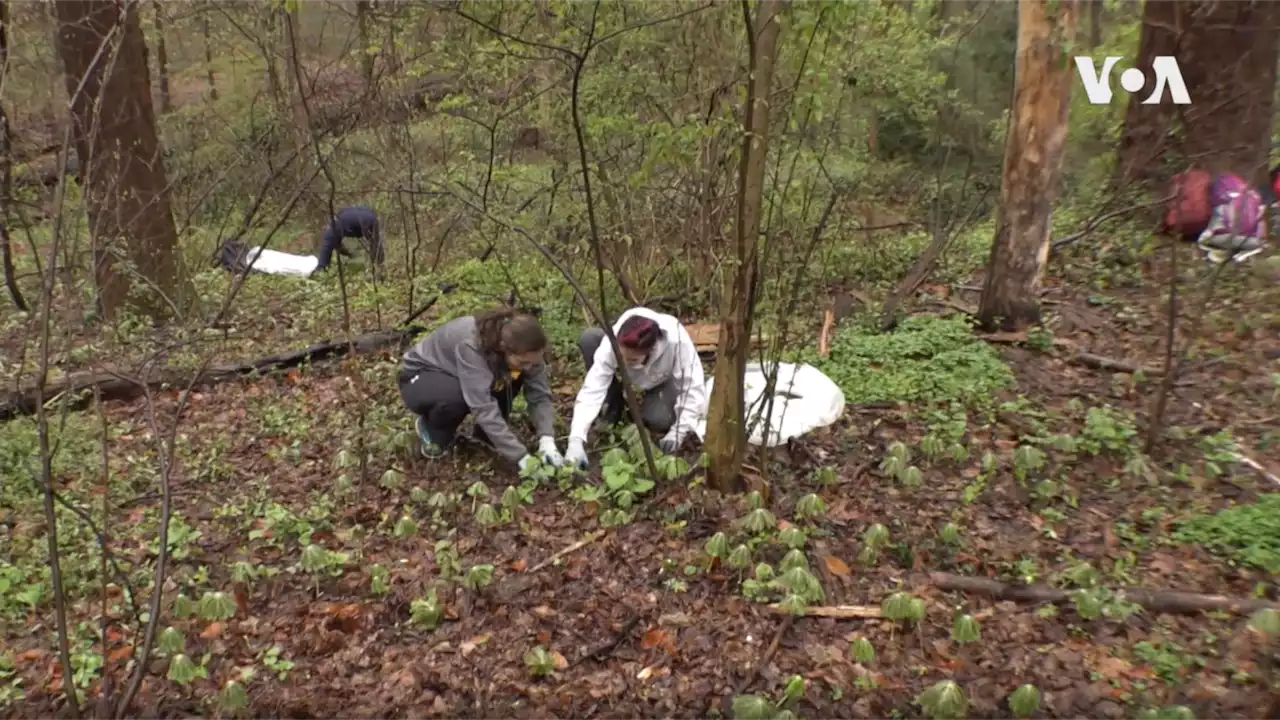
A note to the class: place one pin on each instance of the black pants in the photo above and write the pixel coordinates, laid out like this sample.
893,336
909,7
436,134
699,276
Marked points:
657,407
437,397
356,221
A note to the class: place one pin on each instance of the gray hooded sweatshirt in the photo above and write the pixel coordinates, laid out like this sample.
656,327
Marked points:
452,349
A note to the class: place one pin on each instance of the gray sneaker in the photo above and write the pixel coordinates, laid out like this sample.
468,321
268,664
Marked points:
430,448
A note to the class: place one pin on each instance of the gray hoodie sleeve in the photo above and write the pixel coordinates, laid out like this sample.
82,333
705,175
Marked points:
537,394
477,383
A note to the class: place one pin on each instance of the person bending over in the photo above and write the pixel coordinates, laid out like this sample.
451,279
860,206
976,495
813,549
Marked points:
354,221
478,364
661,360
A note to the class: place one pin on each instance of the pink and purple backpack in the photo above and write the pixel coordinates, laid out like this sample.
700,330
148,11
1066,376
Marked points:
1240,205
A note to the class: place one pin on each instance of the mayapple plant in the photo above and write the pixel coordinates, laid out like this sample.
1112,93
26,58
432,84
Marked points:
426,612
1025,701
759,521
171,641
810,507
405,527
539,661
754,500
216,606
486,516
944,701
863,652
965,630
740,558
717,548
233,698
873,540
949,534
912,477
477,577
901,607
794,559
1265,622
182,670
932,447
392,479
477,492
379,580
792,537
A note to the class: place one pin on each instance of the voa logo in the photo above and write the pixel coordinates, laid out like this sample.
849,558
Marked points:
1097,85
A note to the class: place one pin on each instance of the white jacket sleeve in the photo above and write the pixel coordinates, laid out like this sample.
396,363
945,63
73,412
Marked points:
692,396
595,388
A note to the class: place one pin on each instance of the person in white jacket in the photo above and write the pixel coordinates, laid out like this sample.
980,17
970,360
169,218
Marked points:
661,360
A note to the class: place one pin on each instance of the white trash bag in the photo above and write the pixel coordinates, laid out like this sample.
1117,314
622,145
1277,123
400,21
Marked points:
804,400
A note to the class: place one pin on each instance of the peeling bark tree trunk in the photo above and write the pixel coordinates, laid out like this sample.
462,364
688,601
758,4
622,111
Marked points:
162,60
6,170
1033,157
1227,52
120,158
726,426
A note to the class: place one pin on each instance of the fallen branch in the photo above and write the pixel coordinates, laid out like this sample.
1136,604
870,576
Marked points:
1246,460
839,612
1077,357
590,538
1096,222
1158,601
114,386
600,652
828,321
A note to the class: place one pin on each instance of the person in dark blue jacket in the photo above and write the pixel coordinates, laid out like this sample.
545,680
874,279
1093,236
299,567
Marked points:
353,221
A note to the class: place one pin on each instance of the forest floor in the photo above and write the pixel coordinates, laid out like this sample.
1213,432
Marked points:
639,622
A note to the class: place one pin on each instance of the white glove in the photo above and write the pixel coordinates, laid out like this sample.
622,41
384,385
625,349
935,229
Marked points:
668,444
528,463
576,454
548,452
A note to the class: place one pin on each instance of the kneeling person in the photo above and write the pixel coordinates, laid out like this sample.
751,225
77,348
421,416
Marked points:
661,360
478,364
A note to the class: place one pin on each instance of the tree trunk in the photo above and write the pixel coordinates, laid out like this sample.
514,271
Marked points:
1227,52
366,41
1095,23
1228,60
162,59
208,51
726,422
270,32
298,94
6,170
121,162
1033,156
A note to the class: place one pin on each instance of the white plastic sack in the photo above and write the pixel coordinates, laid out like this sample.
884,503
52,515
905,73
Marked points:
274,262
805,399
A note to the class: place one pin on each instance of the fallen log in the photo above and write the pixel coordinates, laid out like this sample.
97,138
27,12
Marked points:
1158,601
115,386
839,612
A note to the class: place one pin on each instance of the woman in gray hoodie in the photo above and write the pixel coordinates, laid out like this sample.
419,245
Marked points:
478,364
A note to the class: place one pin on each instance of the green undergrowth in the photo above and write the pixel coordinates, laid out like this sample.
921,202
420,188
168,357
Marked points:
928,359
1248,534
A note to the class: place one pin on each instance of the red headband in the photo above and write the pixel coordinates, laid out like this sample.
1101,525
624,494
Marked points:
639,333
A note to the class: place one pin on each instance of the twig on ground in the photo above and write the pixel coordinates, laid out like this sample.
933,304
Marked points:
1158,601
600,652
590,538
839,612
1246,460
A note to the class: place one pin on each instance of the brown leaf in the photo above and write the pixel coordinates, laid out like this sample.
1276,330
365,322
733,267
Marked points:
543,637
836,566
519,565
559,660
120,653
470,646
214,630
652,639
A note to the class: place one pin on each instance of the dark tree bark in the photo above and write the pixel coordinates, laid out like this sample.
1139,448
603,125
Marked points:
1033,156
1227,52
162,59
1095,23
125,188
726,422
363,20
6,171
207,35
